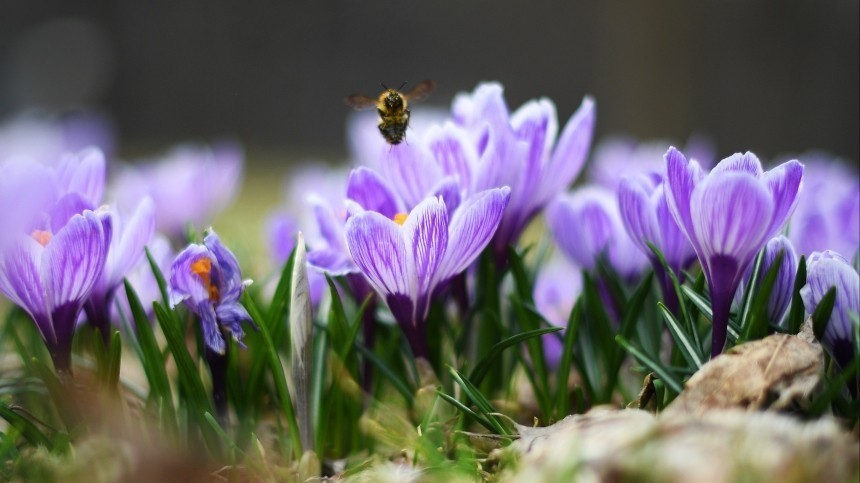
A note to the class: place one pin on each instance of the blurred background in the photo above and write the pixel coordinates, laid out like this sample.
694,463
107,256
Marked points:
771,76
767,75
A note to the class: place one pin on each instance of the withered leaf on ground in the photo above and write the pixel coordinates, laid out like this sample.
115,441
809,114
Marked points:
771,373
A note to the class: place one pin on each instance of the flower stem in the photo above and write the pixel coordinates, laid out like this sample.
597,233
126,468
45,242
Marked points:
218,369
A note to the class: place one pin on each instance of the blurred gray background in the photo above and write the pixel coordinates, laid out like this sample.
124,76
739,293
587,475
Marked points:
767,75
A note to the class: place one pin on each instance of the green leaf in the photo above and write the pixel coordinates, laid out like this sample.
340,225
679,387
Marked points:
698,300
114,360
567,357
655,366
26,427
228,441
632,313
488,360
485,409
399,384
465,409
821,316
278,375
797,311
688,347
150,359
159,278
676,285
743,317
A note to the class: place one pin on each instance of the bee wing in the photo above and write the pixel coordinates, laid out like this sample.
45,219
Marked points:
358,101
421,90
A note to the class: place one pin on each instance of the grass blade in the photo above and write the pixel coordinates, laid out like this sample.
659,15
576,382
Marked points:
488,360
688,347
821,316
797,311
651,364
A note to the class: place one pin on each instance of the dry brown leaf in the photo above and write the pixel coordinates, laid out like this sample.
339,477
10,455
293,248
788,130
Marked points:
771,373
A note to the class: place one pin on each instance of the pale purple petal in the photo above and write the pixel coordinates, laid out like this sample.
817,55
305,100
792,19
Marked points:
378,247
453,152
449,190
84,173
571,151
209,326
746,162
332,262
185,284
129,240
20,281
412,172
582,225
65,208
369,190
471,229
74,258
535,123
733,214
682,176
228,276
426,228
675,245
784,182
829,269
638,214
281,231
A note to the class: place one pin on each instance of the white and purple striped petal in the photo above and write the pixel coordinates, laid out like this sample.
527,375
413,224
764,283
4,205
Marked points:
826,270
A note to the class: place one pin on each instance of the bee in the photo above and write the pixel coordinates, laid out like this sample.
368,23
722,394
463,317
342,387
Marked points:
392,107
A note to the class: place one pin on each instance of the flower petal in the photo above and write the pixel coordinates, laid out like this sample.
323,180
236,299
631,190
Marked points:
471,229
84,173
65,208
209,326
829,269
184,283
369,190
453,152
784,182
426,229
72,263
571,151
230,281
127,247
733,212
682,176
746,162
582,225
378,247
412,172
640,220
20,281
536,124
449,190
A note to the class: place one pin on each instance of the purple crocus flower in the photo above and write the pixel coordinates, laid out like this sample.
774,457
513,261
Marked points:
646,217
126,250
207,278
825,270
587,225
728,216
190,185
50,272
780,296
520,150
556,289
828,209
408,258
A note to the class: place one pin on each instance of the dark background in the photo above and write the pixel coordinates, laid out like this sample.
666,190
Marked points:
771,76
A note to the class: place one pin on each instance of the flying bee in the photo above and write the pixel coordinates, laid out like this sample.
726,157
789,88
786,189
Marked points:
392,107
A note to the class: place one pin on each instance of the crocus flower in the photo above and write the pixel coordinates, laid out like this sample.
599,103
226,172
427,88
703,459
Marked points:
207,278
646,217
50,272
126,250
828,209
780,296
520,150
728,216
826,270
587,225
406,259
556,289
190,185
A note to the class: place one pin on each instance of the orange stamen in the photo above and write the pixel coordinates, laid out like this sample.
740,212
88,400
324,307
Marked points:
42,236
202,267
400,218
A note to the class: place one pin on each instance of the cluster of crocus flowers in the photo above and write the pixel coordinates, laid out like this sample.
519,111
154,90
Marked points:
206,277
728,215
408,257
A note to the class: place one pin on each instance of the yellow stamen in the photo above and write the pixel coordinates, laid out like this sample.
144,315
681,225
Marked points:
42,236
400,218
203,269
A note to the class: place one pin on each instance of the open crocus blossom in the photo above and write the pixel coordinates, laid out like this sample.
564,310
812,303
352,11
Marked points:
207,278
728,215
407,258
646,217
826,270
520,150
50,273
